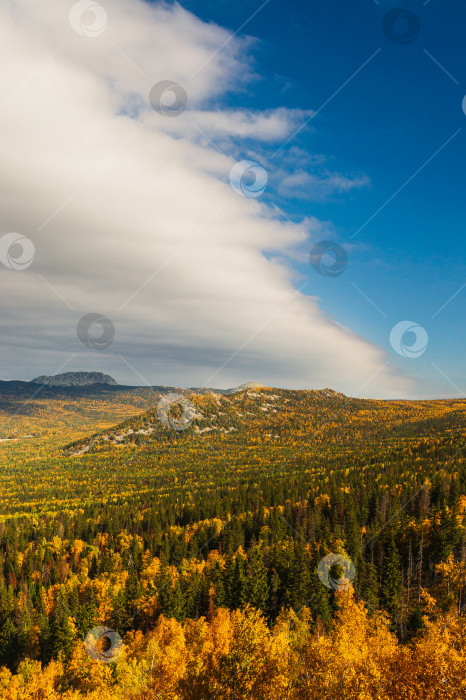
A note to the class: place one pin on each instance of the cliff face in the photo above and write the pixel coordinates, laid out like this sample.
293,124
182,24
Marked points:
75,379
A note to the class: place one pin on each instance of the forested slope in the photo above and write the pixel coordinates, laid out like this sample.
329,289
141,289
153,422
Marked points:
202,548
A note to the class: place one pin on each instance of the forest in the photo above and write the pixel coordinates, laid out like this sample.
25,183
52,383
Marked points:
278,544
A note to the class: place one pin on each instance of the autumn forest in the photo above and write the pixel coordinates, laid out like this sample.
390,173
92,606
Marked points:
265,543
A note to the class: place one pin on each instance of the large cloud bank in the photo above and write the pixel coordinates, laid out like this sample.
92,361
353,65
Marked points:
132,214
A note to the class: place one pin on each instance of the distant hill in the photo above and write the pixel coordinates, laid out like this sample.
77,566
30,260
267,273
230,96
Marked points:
75,379
281,416
79,399
249,385
83,379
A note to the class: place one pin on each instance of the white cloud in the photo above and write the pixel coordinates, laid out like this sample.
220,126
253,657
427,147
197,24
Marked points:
320,187
139,223
270,126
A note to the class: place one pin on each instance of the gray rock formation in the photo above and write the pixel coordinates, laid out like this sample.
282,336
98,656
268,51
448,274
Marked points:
75,379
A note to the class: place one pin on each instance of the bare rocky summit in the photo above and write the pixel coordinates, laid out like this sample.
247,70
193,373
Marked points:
75,379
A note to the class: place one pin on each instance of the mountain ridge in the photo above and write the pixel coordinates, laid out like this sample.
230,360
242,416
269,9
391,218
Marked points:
241,416
75,379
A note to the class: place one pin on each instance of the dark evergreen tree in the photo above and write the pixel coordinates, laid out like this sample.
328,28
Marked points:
256,584
391,579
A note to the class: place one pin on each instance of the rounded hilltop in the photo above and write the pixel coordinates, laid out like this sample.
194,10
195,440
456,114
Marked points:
244,387
75,379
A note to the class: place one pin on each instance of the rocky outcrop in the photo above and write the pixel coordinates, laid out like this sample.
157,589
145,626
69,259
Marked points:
75,379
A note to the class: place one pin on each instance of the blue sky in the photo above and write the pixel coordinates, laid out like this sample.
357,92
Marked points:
385,124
